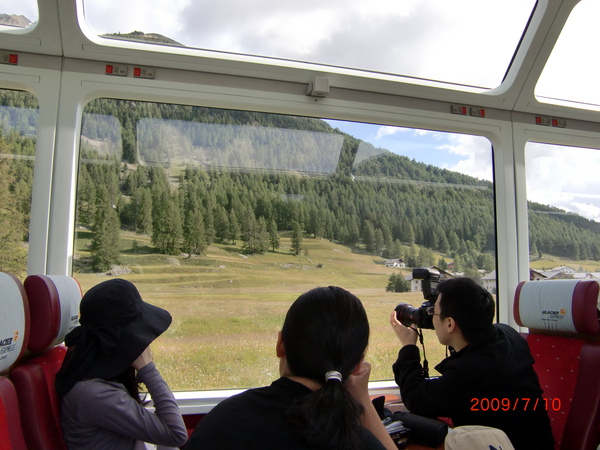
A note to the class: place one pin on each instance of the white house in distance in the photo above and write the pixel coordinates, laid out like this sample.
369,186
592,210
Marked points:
394,263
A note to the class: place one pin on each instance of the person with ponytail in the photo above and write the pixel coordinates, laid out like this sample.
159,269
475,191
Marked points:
98,383
321,401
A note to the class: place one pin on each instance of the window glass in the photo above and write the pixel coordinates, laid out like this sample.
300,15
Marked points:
468,42
17,14
564,211
224,217
570,75
18,130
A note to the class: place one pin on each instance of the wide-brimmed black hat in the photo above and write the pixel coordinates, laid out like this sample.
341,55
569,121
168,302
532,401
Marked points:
116,325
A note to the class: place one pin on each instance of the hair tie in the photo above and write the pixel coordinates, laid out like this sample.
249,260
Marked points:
333,375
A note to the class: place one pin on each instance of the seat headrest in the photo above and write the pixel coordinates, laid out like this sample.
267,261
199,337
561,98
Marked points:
558,305
14,321
54,304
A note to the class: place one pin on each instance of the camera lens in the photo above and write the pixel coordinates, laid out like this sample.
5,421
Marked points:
407,314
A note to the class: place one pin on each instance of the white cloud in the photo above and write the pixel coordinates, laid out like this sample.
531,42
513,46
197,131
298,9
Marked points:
565,177
588,210
388,131
475,153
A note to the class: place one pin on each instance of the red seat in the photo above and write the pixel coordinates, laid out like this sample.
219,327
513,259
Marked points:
562,317
11,434
54,305
38,402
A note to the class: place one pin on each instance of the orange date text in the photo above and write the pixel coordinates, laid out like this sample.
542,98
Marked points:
515,404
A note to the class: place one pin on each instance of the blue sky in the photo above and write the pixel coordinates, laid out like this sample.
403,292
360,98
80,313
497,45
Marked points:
471,155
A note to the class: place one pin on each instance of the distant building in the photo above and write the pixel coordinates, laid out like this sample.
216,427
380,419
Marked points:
489,282
535,275
587,276
557,275
564,269
394,263
415,285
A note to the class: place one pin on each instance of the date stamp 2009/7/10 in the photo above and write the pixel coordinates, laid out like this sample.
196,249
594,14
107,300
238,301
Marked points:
515,404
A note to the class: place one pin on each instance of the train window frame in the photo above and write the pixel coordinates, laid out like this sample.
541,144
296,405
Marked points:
489,166
582,135
66,74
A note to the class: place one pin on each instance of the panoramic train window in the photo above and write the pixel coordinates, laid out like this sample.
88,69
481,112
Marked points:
571,73
564,211
18,130
17,14
224,217
467,42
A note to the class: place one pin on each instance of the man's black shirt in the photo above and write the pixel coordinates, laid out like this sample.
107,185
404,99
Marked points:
490,382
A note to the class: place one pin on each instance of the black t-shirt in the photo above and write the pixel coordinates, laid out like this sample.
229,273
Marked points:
256,419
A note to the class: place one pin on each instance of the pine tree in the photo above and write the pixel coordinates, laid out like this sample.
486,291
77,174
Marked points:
397,283
262,236
13,255
143,201
104,249
273,235
166,221
234,230
86,197
296,238
194,235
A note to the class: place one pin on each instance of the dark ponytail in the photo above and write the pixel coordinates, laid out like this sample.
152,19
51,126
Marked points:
326,329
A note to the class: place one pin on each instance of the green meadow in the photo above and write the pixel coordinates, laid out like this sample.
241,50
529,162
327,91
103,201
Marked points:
227,307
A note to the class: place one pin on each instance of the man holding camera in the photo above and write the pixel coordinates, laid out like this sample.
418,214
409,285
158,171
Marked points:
488,379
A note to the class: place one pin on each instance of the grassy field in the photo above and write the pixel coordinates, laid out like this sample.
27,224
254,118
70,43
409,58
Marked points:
227,307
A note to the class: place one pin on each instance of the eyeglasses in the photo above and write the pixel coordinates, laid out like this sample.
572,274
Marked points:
430,312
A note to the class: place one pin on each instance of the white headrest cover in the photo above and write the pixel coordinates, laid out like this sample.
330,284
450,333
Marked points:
14,320
558,305
54,302
69,293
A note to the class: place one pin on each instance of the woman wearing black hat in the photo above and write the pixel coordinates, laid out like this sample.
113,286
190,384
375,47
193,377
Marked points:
100,406
321,400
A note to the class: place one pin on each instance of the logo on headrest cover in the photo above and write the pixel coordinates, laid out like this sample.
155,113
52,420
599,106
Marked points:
8,345
553,315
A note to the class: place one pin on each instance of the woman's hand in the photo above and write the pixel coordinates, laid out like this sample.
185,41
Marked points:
358,386
358,383
143,359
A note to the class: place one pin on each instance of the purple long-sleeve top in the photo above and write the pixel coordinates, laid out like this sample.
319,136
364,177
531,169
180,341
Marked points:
101,414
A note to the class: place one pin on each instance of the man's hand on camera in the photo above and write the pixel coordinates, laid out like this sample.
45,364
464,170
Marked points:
406,335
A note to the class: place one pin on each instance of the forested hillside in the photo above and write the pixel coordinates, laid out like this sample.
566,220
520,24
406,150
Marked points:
203,175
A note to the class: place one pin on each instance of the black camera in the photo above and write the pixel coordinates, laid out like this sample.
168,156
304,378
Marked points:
407,314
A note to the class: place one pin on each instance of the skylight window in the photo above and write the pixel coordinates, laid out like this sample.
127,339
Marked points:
18,14
464,42
571,73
